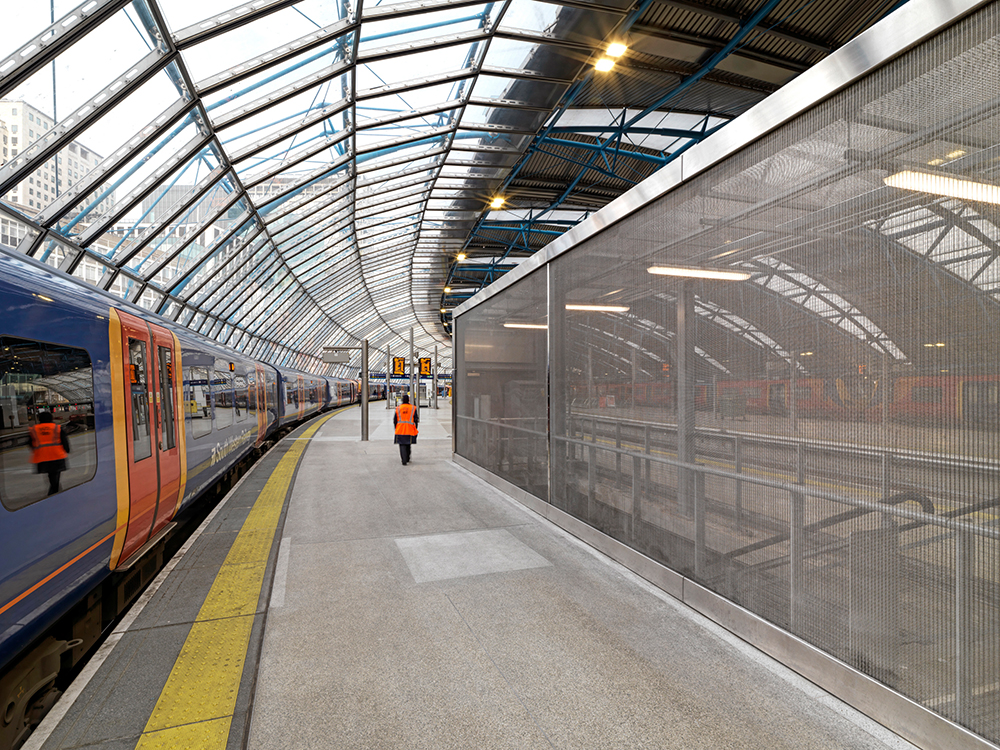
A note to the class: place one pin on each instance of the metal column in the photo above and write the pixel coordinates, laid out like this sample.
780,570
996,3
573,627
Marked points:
434,377
793,384
688,502
365,388
388,384
414,397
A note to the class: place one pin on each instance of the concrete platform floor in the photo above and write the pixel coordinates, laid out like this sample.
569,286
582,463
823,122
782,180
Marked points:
418,607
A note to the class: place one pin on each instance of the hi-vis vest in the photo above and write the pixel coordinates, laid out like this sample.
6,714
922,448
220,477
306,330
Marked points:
48,446
404,420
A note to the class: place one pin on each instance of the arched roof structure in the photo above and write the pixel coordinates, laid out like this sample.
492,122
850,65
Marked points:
284,176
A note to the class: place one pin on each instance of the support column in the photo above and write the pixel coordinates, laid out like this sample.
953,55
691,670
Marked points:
793,411
434,377
365,389
685,397
558,393
414,398
388,369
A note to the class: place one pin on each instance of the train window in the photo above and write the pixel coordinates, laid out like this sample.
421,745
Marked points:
138,377
242,401
37,377
198,401
166,398
252,394
926,394
222,393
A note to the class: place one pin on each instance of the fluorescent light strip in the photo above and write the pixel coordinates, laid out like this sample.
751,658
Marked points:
598,308
938,184
699,273
538,326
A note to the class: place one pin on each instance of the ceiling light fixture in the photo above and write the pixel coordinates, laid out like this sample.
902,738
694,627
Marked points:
939,184
447,290
598,308
699,273
460,256
497,202
616,49
604,64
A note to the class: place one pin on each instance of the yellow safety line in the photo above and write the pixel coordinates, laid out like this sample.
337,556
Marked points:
196,705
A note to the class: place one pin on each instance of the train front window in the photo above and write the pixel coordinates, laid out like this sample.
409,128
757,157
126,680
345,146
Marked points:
138,378
39,378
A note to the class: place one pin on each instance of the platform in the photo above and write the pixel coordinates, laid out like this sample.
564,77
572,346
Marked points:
338,599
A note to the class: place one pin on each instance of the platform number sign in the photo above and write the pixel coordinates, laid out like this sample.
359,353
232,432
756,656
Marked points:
425,365
399,365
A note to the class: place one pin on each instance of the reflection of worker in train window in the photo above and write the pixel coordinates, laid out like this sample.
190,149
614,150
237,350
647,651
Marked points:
50,446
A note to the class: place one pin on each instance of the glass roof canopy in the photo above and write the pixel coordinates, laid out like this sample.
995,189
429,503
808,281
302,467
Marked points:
280,176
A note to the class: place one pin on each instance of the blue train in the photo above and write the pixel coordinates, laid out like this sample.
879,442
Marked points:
156,415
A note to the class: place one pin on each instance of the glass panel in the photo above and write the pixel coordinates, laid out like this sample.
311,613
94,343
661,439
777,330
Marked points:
142,439
46,181
57,381
402,30
288,75
198,401
517,91
13,232
261,36
92,271
552,62
54,253
166,397
97,192
586,26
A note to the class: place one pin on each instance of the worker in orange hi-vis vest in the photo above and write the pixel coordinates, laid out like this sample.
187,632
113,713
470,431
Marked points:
406,420
50,446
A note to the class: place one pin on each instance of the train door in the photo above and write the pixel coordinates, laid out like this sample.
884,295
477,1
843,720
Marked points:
260,398
776,398
151,429
980,402
302,397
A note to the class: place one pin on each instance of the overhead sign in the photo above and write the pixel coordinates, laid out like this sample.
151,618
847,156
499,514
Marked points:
333,357
399,365
425,365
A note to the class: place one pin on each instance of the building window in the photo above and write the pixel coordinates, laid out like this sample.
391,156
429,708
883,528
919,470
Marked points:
13,128
31,117
14,141
14,111
31,133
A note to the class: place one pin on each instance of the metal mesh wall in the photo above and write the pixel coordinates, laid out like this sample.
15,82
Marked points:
500,398
818,442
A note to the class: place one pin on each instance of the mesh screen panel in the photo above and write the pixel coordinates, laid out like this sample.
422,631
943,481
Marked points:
818,442
500,398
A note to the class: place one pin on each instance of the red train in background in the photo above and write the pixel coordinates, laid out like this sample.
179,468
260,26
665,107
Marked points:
918,399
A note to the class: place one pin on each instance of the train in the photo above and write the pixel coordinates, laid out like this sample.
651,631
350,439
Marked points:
156,416
939,400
